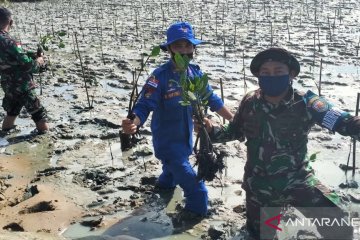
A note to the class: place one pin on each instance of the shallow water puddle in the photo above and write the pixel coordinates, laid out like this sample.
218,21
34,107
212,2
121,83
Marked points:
147,222
65,91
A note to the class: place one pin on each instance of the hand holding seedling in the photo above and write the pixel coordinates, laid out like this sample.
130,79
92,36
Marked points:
131,124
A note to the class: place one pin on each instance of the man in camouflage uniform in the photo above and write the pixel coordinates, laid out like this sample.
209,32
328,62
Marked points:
276,120
16,69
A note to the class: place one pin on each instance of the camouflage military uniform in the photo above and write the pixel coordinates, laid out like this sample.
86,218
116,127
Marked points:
16,69
277,170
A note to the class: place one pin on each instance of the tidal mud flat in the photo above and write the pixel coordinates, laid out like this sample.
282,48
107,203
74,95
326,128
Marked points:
75,182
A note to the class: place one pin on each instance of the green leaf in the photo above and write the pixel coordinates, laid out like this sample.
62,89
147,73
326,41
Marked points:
191,96
61,33
46,48
61,45
334,197
184,103
313,156
45,39
180,63
155,51
205,79
191,87
186,60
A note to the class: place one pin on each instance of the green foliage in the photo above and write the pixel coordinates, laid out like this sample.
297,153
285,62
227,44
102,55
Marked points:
194,90
155,51
55,38
313,157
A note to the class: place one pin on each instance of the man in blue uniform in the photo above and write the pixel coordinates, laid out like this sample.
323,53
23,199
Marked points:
172,124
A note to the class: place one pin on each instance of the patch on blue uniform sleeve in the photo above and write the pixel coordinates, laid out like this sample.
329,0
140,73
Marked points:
323,112
331,117
320,105
152,81
148,91
150,86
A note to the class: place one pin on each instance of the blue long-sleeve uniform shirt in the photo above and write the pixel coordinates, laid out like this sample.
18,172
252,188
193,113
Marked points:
171,123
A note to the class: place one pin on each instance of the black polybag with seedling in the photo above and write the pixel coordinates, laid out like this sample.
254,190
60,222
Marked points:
195,93
128,141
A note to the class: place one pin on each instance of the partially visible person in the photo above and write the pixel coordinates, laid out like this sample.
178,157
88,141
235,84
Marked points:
276,120
172,125
16,69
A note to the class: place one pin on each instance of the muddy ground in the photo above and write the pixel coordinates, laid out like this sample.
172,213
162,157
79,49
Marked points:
75,182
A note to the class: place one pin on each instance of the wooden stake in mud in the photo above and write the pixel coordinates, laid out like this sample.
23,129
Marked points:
354,140
67,24
314,48
216,24
115,29
319,47
255,25
81,28
320,74
201,23
330,35
315,13
163,16
52,28
271,33
301,9
223,14
136,23
244,76
235,35
222,94
36,32
74,44
83,71
224,42
101,46
288,29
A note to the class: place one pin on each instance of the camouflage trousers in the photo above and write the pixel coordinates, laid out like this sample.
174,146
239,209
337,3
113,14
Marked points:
14,101
304,198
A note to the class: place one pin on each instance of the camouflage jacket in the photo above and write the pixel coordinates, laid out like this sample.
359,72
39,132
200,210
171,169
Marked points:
16,67
277,137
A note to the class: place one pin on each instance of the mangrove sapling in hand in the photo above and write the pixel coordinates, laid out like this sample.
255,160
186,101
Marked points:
54,39
42,46
196,94
128,141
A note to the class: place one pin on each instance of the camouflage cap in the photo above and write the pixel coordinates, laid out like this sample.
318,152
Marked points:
274,54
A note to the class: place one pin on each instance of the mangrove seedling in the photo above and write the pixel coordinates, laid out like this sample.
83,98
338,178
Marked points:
128,141
195,93
42,46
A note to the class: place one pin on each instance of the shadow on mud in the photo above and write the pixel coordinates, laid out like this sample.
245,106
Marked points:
151,221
